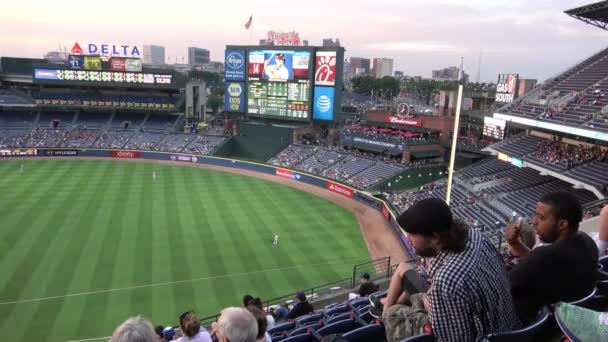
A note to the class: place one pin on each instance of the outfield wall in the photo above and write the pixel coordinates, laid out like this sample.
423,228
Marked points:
293,175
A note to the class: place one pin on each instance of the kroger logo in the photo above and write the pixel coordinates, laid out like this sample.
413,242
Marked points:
235,89
235,60
323,103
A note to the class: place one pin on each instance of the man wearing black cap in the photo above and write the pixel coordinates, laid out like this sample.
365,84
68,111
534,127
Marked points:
469,293
367,286
303,307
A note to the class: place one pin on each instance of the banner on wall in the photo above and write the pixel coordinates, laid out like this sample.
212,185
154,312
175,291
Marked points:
340,189
125,154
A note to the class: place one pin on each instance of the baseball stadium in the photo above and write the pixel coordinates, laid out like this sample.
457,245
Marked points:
127,199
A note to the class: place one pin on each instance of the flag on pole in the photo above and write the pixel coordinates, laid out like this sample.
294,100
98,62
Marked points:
248,23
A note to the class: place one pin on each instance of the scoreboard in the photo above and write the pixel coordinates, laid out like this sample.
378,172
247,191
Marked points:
282,82
279,84
286,100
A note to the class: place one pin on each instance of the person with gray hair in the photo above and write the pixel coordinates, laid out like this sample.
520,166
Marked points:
235,325
134,329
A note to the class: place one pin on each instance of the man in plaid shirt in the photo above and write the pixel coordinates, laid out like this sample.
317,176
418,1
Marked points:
469,294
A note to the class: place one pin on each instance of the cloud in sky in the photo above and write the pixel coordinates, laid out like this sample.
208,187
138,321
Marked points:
533,38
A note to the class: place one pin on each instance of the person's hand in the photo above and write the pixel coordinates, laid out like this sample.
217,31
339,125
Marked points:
512,233
215,327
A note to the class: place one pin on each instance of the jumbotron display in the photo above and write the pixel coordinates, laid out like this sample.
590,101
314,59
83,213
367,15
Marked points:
279,83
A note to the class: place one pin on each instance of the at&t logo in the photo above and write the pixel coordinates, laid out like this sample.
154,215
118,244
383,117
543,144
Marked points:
323,103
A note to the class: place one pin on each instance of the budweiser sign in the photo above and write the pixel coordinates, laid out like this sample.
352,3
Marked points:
340,189
396,120
283,173
125,154
283,38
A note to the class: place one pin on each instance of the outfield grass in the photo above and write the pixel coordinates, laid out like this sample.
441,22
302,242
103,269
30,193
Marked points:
86,244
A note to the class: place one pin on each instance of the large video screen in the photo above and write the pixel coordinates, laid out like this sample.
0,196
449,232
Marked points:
279,84
101,77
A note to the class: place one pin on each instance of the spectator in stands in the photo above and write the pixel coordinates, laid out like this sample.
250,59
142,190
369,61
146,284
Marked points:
367,286
469,293
159,332
164,334
134,329
246,299
257,302
191,329
235,325
260,318
564,270
303,307
601,240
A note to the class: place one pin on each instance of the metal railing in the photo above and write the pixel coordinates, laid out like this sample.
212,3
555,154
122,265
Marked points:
311,293
376,269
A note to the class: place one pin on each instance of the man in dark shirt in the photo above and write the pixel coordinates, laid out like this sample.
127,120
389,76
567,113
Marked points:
303,307
566,269
367,286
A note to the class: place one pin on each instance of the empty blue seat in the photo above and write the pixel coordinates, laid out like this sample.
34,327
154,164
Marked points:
587,301
339,327
529,333
363,309
366,316
305,320
277,338
420,338
355,303
368,333
339,317
301,338
282,327
336,310
304,329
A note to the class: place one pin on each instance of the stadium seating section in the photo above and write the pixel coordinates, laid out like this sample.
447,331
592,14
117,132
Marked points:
101,130
103,100
486,194
574,98
336,163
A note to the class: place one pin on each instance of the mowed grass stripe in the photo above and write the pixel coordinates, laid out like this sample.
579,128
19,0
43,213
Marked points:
142,301
179,248
61,246
17,189
29,235
190,224
205,236
194,258
237,237
82,249
105,261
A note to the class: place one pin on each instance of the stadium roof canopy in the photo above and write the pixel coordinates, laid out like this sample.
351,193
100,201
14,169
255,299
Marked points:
594,14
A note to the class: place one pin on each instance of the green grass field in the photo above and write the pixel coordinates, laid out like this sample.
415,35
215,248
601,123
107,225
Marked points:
86,244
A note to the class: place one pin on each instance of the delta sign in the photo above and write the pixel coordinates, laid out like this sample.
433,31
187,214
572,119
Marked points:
107,50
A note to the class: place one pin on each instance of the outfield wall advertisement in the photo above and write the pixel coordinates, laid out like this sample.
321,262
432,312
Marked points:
332,186
125,154
58,153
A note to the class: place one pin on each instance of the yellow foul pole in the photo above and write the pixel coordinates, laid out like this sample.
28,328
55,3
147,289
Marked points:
454,143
